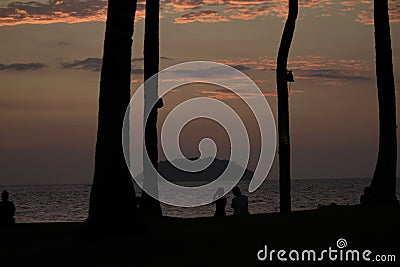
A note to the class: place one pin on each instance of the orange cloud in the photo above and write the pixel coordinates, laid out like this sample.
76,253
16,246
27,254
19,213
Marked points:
209,16
245,13
224,95
246,3
364,10
66,11
210,11
251,9
227,95
317,68
182,5
71,11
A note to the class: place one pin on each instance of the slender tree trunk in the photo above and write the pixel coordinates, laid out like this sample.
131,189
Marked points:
150,206
112,198
383,186
283,107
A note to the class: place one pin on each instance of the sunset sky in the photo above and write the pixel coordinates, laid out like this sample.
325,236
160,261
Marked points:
50,58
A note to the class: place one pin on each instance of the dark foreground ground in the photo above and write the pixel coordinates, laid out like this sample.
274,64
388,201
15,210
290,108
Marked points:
226,241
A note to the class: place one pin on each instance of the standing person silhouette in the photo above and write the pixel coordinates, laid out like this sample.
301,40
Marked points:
220,203
240,203
7,210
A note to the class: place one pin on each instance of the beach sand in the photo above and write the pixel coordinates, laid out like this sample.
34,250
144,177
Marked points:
228,241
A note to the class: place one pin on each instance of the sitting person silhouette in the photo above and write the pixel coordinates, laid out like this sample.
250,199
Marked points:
240,203
220,203
7,210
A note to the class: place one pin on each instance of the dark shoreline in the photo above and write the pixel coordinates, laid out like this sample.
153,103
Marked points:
203,241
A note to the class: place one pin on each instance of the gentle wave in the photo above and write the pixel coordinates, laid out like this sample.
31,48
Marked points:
68,203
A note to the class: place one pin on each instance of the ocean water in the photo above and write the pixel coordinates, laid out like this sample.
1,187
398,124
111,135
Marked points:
69,203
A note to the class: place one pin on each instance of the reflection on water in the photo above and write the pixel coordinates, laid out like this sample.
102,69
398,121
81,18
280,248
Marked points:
62,203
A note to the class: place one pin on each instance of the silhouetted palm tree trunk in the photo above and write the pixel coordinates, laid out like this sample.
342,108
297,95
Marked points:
112,198
150,206
283,107
383,186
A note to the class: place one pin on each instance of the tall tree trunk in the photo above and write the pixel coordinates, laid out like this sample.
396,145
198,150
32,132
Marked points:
112,198
283,107
383,186
149,205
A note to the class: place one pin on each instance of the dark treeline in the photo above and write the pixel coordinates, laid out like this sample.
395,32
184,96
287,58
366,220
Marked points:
383,185
148,205
283,106
113,192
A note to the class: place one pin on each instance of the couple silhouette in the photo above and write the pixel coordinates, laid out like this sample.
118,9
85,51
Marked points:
240,203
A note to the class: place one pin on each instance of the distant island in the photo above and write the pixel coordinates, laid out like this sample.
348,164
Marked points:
209,174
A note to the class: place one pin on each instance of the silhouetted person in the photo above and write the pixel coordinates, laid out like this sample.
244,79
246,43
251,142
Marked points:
7,210
240,203
220,203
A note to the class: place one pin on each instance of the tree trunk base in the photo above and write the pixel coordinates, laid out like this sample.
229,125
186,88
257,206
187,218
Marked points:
149,207
372,197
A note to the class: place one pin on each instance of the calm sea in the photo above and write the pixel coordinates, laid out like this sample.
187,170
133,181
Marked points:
68,203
